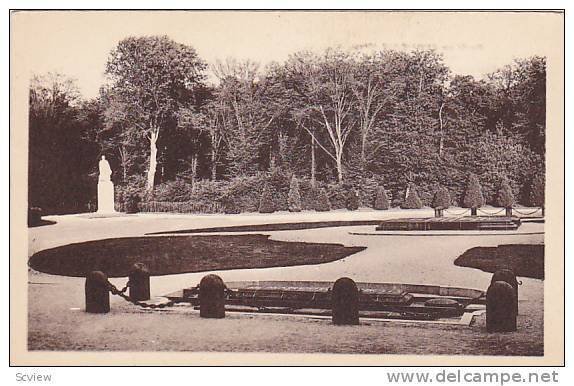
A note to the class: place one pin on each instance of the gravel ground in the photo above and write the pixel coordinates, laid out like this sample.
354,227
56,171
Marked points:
57,322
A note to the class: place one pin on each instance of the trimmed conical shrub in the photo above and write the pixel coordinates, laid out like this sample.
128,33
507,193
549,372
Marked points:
473,197
441,199
294,198
352,202
505,196
536,194
266,203
412,200
322,203
381,199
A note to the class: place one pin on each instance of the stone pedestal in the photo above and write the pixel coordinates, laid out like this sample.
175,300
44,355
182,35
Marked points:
106,197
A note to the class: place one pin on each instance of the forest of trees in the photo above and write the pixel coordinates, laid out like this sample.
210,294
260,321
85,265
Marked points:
337,121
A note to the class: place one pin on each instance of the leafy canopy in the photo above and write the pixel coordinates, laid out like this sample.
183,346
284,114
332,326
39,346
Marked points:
152,77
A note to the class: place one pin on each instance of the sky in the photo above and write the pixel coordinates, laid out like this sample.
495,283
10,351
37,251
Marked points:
78,44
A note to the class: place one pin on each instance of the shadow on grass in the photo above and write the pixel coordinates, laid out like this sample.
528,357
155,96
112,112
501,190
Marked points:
181,254
291,226
525,260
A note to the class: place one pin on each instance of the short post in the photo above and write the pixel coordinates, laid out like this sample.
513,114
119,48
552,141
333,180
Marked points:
500,310
139,282
345,302
97,293
508,212
507,275
473,211
211,297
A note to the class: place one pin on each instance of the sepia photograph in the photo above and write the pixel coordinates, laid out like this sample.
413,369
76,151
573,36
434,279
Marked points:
227,186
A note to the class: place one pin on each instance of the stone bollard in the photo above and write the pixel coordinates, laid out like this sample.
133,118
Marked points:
97,293
211,297
507,275
139,282
345,302
500,307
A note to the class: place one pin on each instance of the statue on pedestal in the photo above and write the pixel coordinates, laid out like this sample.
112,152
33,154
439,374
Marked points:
105,170
105,188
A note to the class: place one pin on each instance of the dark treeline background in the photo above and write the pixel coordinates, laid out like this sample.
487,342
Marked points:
337,120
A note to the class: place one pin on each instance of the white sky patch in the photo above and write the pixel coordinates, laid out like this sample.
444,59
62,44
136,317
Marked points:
77,44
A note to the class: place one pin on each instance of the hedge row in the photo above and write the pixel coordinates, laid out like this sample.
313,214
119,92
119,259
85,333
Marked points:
269,192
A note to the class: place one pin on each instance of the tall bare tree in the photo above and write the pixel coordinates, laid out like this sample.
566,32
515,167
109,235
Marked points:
325,86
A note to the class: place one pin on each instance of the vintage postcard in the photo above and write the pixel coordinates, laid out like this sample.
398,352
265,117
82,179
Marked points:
287,187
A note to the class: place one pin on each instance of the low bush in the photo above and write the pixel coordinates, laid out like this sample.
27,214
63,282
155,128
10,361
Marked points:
352,200
229,205
294,199
181,207
308,193
337,194
472,197
536,191
266,203
441,199
322,203
505,197
173,191
131,202
412,200
381,199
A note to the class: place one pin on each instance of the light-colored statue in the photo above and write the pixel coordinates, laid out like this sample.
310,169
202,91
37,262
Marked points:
105,188
105,170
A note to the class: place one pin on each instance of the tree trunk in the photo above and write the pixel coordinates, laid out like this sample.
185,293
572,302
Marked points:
508,212
441,141
313,166
152,161
340,167
124,160
363,151
213,166
473,211
193,169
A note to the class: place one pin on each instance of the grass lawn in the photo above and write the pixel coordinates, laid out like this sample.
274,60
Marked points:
181,254
525,260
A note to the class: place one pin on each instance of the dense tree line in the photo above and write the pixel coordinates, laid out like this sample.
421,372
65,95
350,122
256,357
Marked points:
331,119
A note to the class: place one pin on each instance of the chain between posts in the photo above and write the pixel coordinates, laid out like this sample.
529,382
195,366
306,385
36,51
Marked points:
489,213
456,214
122,293
525,214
